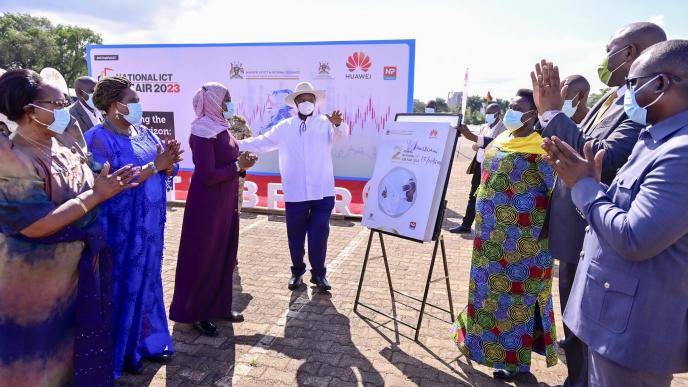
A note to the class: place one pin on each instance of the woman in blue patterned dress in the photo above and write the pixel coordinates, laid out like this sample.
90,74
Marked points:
134,223
510,312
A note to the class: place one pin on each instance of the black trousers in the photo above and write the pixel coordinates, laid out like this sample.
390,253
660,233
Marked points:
576,350
470,208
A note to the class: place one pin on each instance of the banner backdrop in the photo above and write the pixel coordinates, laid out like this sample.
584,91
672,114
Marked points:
369,81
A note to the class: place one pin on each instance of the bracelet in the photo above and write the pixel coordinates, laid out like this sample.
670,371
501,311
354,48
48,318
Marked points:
82,204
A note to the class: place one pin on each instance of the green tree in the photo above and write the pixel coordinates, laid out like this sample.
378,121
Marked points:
418,106
594,97
442,106
34,43
504,104
474,105
72,56
474,102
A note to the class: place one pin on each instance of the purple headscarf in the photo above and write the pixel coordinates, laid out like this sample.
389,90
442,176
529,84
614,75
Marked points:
207,103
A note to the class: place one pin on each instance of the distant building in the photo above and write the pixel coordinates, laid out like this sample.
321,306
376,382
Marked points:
454,99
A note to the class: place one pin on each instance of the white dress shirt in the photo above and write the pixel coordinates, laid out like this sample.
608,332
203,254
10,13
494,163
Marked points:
305,158
485,131
95,116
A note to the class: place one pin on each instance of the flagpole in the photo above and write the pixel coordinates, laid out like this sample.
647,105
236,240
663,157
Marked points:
464,97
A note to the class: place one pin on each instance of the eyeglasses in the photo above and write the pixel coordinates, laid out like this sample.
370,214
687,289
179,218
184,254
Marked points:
631,83
59,102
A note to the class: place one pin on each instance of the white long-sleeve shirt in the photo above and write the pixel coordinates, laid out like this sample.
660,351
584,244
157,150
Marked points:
305,158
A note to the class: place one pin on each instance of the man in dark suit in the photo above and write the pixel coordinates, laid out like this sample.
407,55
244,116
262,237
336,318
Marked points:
493,128
83,110
609,129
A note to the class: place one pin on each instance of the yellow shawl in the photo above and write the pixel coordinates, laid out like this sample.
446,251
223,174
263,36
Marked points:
530,144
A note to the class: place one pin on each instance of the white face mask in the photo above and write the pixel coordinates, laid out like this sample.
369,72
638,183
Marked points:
429,110
89,100
306,108
568,108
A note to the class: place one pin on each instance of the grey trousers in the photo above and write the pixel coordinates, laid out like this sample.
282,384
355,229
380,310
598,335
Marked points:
606,373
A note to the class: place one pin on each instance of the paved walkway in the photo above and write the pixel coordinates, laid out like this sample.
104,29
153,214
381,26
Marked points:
309,339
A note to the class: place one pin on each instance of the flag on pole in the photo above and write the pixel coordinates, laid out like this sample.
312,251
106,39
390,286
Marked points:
464,97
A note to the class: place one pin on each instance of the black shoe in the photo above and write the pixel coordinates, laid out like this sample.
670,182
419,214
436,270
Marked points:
504,374
161,358
321,282
460,230
294,282
206,328
235,317
134,369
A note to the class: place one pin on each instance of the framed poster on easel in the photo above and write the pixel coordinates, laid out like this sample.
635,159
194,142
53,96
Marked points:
406,195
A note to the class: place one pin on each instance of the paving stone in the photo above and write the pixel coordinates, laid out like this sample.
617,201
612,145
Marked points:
308,339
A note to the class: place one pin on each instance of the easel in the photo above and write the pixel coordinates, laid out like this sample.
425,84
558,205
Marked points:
439,243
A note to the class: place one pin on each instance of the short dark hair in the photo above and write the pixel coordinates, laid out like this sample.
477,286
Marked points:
669,57
18,88
528,95
642,35
109,90
431,104
578,81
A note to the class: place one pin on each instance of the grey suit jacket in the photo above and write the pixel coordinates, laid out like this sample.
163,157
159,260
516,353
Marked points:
81,116
615,133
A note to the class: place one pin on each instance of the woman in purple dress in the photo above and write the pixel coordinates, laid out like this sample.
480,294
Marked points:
210,233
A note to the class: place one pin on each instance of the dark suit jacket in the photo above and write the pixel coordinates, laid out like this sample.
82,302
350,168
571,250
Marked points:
615,133
81,116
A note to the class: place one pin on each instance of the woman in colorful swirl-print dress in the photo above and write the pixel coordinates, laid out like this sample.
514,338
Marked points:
509,312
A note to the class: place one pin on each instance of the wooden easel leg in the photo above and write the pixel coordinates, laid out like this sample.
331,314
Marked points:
363,269
427,288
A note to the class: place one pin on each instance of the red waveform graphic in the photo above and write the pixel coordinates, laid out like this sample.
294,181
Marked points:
359,118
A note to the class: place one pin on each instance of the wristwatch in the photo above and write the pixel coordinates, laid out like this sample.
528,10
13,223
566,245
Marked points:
152,166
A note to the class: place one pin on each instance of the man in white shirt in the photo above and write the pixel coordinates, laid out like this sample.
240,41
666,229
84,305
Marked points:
305,144
83,110
493,127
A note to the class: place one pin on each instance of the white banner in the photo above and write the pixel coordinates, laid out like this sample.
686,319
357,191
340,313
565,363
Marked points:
369,81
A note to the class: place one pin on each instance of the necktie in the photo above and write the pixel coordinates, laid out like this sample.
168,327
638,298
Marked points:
605,106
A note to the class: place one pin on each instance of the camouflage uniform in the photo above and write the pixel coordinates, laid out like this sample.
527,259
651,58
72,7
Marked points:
240,131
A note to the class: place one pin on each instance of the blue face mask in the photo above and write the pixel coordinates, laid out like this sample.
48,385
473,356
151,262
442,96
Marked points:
490,119
60,122
512,120
568,108
230,110
135,116
635,112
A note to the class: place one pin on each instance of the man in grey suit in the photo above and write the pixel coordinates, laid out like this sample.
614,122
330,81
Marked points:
83,110
629,301
608,128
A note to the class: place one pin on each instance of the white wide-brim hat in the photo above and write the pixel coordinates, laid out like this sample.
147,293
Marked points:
305,88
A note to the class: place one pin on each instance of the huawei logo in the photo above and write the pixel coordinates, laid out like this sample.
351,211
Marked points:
358,60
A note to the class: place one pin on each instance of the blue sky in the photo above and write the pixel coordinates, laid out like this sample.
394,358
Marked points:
498,40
